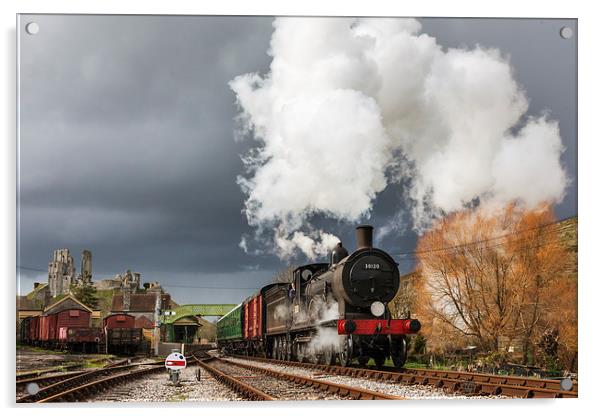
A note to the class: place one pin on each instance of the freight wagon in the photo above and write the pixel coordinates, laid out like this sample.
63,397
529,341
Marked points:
63,325
122,336
84,339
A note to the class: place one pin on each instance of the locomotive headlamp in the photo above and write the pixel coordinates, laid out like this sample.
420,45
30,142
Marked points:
377,308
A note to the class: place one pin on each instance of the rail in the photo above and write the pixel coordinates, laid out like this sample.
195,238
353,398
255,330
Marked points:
77,380
454,381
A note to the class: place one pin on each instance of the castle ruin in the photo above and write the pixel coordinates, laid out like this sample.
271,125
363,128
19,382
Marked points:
86,266
61,272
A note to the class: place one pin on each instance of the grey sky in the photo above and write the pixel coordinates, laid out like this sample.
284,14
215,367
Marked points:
127,142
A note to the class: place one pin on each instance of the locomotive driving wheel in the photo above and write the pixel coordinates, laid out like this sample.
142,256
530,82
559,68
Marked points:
299,352
328,356
279,348
346,351
313,355
287,349
275,348
363,360
379,360
399,351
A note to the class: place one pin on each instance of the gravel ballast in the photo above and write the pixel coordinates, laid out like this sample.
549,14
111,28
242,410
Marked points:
277,388
387,387
158,388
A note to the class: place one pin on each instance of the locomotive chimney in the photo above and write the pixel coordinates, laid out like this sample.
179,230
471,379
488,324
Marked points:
363,234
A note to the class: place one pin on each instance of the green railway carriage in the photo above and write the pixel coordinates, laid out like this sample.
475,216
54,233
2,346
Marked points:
229,329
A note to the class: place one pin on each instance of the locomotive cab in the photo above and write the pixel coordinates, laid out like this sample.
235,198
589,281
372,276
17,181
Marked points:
303,276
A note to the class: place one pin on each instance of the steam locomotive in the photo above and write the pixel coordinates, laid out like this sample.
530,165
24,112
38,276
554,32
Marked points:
336,310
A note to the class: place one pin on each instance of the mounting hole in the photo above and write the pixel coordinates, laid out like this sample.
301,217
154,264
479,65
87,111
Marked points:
32,28
566,384
33,388
566,32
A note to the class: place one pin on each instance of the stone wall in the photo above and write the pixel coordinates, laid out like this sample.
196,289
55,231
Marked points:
107,284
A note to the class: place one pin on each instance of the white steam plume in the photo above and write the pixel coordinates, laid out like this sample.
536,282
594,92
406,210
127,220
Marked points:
351,106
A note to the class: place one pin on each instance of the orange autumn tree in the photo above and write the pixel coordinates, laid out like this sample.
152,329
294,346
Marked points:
548,292
495,278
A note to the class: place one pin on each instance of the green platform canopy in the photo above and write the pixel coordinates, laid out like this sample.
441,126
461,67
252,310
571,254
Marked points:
194,310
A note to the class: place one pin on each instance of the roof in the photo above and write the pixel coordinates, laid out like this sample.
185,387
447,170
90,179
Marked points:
236,308
206,309
67,302
143,322
187,320
36,290
25,303
26,314
139,302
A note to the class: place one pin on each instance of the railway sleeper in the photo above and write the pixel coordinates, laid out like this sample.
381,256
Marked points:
355,392
468,383
516,392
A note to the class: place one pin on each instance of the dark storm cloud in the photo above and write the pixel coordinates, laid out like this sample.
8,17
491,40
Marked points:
127,148
127,141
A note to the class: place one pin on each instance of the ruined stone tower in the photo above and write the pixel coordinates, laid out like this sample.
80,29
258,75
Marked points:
61,272
86,267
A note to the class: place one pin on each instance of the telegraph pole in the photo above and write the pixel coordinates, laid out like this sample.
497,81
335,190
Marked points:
157,331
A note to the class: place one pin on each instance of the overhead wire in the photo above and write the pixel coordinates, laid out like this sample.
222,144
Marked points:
406,259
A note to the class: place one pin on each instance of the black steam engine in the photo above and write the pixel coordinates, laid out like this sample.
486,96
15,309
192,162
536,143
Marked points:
330,310
351,294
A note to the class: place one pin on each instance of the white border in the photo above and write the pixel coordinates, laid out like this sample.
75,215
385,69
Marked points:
589,188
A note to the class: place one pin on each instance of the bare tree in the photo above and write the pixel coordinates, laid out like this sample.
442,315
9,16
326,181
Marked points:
285,275
402,305
494,277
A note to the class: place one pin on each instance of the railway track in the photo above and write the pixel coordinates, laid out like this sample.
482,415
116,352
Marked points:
526,382
82,384
258,383
452,381
37,373
46,379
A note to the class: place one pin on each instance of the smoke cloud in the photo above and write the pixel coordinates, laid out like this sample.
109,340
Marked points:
351,106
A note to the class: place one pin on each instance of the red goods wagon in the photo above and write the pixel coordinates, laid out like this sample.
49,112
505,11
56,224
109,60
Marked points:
122,334
34,329
80,335
84,339
119,320
48,331
253,318
43,328
73,318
